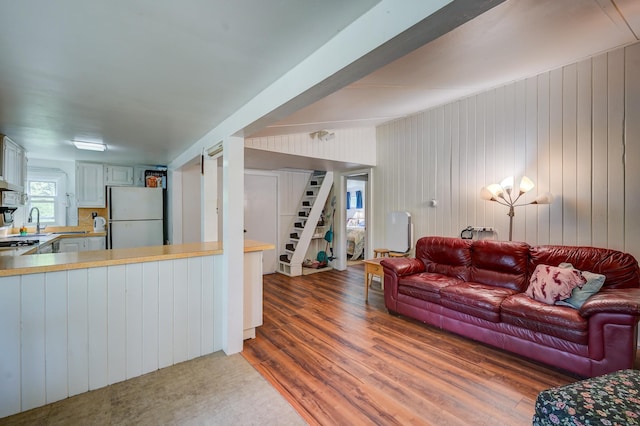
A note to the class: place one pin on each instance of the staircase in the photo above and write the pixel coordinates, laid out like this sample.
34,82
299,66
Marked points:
305,225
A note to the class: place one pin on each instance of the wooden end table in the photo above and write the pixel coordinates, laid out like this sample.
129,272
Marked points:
372,267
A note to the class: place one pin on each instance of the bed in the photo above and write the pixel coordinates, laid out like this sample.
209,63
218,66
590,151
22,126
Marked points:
355,238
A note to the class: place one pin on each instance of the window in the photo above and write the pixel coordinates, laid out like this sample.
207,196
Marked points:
47,192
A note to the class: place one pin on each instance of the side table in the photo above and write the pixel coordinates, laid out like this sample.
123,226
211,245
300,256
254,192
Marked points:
372,267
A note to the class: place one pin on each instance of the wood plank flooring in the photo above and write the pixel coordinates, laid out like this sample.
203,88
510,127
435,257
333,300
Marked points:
340,361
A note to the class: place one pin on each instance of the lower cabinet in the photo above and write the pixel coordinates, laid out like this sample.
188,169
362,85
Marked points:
96,243
82,244
48,248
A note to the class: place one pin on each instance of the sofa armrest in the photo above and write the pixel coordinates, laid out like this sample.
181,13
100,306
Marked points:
402,266
620,301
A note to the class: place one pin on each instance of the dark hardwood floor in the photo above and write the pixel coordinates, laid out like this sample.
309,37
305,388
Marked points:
340,361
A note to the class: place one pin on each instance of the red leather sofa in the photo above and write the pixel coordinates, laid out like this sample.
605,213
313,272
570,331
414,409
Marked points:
477,289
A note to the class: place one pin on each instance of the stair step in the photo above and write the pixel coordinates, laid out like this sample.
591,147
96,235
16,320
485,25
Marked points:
308,214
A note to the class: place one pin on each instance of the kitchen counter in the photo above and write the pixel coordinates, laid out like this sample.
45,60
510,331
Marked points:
21,265
78,321
44,239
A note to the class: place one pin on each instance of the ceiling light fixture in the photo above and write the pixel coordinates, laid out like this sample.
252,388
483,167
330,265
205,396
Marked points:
90,146
323,135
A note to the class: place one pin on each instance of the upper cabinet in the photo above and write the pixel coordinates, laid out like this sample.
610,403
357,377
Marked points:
91,179
13,172
118,175
90,184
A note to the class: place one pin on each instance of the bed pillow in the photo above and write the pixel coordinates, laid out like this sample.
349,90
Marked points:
580,295
548,284
352,222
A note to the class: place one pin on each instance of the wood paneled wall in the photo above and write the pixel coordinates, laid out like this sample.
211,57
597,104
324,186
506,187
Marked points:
575,131
68,332
355,145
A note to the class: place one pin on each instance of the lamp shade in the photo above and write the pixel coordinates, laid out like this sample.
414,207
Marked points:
494,190
485,194
545,198
507,183
526,184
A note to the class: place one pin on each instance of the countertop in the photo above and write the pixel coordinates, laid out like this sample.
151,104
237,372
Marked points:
32,264
44,239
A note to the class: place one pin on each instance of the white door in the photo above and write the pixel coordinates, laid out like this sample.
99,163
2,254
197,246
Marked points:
261,214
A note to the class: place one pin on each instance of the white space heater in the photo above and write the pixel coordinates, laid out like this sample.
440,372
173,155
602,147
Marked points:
399,232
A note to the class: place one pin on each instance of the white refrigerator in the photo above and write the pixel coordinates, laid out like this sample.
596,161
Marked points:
135,217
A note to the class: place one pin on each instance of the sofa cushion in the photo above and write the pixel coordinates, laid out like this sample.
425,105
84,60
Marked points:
445,255
558,321
426,285
500,264
620,269
549,284
480,300
579,295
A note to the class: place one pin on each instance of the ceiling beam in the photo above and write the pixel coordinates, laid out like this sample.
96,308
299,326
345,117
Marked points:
386,32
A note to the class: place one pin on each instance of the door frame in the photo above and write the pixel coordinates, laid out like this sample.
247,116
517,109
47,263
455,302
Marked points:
341,218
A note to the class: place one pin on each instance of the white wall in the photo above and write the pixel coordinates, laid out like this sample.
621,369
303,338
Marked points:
191,204
574,131
356,145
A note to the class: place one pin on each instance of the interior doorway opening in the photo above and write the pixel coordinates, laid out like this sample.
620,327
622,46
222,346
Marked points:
356,216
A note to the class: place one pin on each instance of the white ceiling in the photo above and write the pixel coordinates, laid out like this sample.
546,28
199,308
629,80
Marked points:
151,77
148,77
514,40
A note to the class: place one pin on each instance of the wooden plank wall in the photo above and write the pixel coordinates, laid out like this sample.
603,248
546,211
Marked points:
357,145
68,332
575,131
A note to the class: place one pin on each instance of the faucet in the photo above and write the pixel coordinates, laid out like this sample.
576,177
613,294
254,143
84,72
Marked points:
30,220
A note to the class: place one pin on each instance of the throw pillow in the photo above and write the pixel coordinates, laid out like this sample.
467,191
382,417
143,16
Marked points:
548,284
580,295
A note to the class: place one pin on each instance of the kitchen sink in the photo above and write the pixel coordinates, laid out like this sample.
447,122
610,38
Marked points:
41,234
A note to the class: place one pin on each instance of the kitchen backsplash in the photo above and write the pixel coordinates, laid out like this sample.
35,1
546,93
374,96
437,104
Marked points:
85,218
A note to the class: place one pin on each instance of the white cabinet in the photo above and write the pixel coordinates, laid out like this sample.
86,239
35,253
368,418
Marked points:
118,175
13,171
81,244
252,294
96,243
47,248
72,244
90,184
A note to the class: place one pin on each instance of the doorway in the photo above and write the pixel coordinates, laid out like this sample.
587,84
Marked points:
356,216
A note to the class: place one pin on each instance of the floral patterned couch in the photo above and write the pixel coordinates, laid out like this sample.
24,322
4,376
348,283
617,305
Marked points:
612,399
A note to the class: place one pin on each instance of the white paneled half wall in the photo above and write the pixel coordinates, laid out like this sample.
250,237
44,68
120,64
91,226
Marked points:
575,131
64,333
